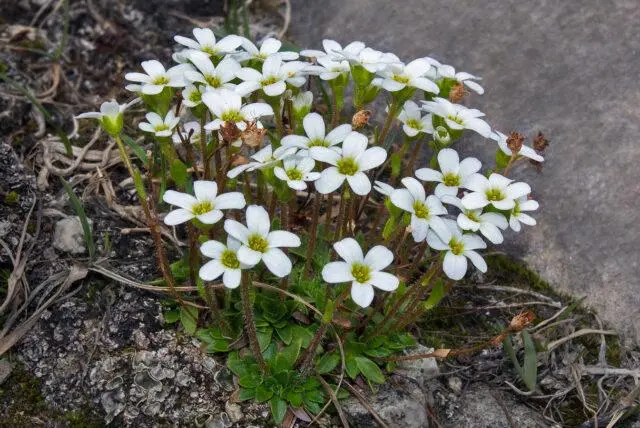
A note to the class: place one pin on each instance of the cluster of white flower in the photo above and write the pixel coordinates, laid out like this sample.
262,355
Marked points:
240,83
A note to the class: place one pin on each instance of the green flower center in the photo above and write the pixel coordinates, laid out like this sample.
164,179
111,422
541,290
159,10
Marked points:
421,210
294,174
495,194
195,96
269,81
401,79
161,127
456,119
212,80
160,80
232,116
415,124
347,166
472,216
208,50
451,179
361,272
202,207
457,247
516,209
229,259
258,243
317,142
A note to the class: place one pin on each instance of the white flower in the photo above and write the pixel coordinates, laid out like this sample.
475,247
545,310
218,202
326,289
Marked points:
302,103
488,224
260,244
206,42
274,77
110,115
458,249
348,165
263,158
192,96
157,78
424,209
454,173
296,170
213,76
206,206
329,69
448,72
227,106
158,126
397,76
370,59
525,151
314,127
190,128
458,117
517,216
383,188
364,272
334,50
497,190
225,262
269,46
413,121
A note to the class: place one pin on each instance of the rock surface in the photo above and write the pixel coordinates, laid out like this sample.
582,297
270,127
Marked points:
69,235
564,68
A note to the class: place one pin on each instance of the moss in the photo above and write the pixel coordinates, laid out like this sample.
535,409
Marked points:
11,198
21,402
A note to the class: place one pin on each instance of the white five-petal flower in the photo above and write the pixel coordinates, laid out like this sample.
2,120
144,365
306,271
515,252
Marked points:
227,106
517,215
274,77
269,47
192,95
453,173
314,127
448,72
398,76
425,210
158,126
364,272
334,50
205,41
458,117
525,151
206,206
212,76
413,123
329,68
488,224
349,165
263,158
295,170
458,249
110,115
156,77
497,190
258,243
224,262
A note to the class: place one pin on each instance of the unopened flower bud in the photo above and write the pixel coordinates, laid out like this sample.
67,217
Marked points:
515,142
540,143
457,93
441,134
110,117
229,131
253,136
302,104
360,119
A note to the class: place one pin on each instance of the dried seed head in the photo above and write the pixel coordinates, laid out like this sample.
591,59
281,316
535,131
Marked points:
253,136
540,143
515,141
457,93
230,131
360,119
522,320
239,160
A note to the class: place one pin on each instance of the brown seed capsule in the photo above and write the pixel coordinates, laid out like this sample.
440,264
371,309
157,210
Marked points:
360,119
253,136
515,141
540,143
230,131
457,93
522,320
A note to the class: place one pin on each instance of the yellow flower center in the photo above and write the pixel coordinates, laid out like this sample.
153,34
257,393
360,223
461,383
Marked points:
269,81
212,80
361,272
421,210
457,247
202,207
258,243
415,124
451,179
232,116
160,80
294,174
229,259
347,166
317,142
401,79
495,194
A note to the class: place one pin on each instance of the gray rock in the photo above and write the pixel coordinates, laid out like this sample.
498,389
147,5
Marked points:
568,69
69,236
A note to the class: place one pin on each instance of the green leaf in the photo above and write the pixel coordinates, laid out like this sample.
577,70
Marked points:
139,151
179,173
502,159
370,370
171,316
312,406
302,333
511,353
278,409
295,398
287,357
250,380
352,367
389,227
263,393
530,367
315,395
327,363
285,334
264,338
189,319
396,164
437,293
246,394
270,353
84,221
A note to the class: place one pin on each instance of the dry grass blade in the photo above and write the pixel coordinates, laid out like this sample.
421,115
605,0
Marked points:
334,399
381,423
553,345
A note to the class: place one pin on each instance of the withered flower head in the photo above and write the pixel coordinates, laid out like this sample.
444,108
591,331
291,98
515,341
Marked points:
253,136
229,131
360,119
515,141
457,93
522,320
540,142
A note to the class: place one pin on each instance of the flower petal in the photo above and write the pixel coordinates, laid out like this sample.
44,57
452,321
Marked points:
277,262
371,158
178,216
231,200
258,220
472,201
231,278
238,230
477,260
454,266
212,249
210,217
384,281
362,294
349,250
330,179
415,188
359,183
402,199
205,190
211,270
248,256
378,258
282,238
449,161
336,272
314,126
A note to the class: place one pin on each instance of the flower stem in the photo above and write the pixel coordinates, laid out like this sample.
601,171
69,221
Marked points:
327,214
338,233
312,234
393,110
194,259
203,147
249,322
412,159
